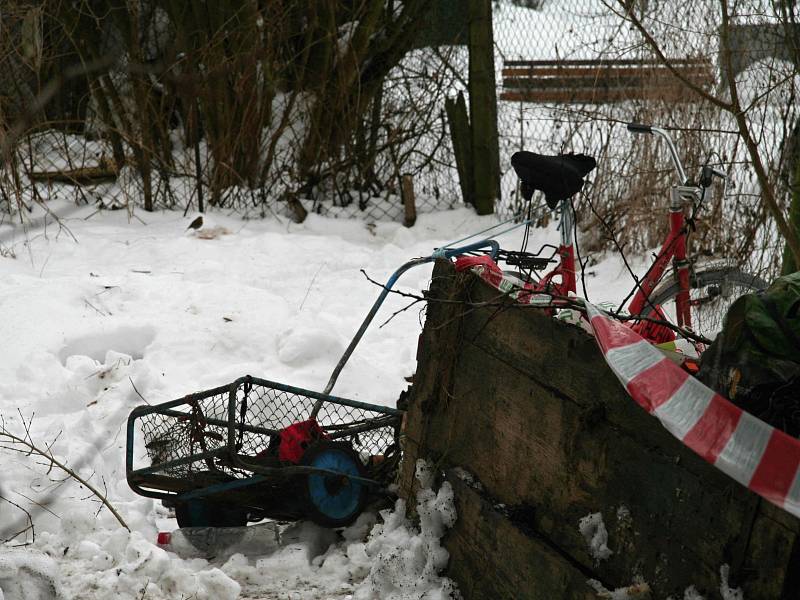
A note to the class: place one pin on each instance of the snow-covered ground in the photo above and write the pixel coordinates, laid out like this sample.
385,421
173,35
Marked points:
106,310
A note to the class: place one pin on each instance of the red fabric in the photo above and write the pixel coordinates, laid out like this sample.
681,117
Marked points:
296,438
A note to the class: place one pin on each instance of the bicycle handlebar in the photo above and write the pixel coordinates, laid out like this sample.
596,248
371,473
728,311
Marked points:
676,161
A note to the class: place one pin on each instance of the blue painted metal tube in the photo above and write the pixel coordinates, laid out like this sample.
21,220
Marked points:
222,487
260,478
445,253
129,444
187,460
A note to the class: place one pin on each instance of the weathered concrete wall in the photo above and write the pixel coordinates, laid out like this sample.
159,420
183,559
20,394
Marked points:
528,407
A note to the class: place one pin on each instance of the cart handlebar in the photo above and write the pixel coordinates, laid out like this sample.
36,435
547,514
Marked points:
444,253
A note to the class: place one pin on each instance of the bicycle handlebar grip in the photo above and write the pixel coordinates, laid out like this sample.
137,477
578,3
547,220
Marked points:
639,128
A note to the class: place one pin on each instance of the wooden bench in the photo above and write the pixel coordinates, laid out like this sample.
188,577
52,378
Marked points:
601,81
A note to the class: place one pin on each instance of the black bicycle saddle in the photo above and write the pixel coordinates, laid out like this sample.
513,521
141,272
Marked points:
559,177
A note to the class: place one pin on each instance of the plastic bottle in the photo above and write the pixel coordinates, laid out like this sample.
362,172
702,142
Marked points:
215,542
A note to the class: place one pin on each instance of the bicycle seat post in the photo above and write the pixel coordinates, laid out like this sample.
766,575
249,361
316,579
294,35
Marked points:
567,223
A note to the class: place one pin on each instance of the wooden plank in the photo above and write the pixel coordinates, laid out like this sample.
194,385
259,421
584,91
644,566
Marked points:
771,547
601,95
438,346
598,82
106,170
620,61
530,448
601,71
483,107
491,557
591,83
541,422
409,200
461,137
563,358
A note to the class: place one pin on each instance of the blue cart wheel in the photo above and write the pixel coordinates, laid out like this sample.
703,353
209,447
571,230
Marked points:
334,500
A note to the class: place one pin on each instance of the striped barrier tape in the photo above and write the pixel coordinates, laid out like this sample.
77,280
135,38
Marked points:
514,288
760,457
755,454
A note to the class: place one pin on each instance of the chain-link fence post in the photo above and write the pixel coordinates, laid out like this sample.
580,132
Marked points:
483,107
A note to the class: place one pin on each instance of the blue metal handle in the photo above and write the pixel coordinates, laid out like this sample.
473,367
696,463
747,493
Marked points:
445,253
451,252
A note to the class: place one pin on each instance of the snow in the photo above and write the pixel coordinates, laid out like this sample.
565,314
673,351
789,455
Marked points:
395,562
567,29
106,312
25,575
593,530
405,562
725,590
691,593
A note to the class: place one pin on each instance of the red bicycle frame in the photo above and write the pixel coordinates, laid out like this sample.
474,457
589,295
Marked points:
565,270
561,280
674,247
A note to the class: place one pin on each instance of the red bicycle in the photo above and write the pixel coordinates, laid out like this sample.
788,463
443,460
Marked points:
693,296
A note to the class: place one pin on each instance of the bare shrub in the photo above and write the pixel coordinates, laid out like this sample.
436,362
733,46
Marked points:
252,101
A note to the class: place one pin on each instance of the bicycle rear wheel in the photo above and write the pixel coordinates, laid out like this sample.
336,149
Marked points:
711,292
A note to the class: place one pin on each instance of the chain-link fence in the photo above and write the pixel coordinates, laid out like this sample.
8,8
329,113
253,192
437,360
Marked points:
52,164
573,72
287,107
147,130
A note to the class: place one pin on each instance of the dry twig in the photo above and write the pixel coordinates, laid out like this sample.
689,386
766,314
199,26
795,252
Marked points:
24,444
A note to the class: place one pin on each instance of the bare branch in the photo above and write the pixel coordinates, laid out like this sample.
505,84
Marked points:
26,443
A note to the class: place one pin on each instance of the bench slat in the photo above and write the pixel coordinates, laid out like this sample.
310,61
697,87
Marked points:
597,95
600,81
520,83
611,62
602,71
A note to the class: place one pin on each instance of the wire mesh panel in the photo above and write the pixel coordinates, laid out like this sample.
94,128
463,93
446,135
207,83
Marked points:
370,430
185,436
571,73
560,34
196,435
568,73
133,117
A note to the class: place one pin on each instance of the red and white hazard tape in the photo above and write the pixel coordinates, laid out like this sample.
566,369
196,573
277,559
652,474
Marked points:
755,454
485,268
